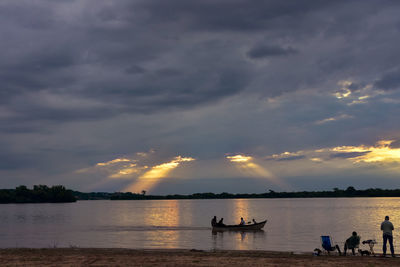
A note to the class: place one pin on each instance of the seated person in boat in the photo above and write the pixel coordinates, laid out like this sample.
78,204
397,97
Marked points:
214,221
221,222
242,222
254,221
352,242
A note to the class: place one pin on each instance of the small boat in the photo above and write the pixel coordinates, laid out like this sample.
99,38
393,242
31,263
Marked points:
236,227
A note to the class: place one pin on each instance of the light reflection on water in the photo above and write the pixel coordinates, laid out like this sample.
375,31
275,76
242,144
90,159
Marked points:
293,224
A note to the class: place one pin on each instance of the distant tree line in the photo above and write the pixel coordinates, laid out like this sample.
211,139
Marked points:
336,192
58,193
92,195
39,194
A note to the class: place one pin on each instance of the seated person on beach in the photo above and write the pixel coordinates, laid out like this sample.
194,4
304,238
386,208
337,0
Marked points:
221,222
351,243
242,222
214,221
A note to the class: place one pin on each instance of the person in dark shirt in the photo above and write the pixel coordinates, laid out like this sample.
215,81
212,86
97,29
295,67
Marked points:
221,222
214,221
351,243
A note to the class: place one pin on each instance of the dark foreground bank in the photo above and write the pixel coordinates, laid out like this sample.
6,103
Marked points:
129,257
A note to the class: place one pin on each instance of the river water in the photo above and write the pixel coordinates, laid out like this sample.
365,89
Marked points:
293,224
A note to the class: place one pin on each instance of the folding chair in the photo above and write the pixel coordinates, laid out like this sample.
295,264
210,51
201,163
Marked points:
326,243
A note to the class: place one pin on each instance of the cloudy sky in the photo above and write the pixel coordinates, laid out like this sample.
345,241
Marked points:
186,96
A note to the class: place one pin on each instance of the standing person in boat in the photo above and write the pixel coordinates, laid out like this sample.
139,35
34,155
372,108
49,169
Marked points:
221,222
387,228
214,221
242,222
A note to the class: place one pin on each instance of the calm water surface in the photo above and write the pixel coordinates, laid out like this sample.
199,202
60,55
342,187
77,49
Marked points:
293,224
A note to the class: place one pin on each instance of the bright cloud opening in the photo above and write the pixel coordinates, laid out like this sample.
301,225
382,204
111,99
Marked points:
381,152
152,177
239,158
140,168
113,161
248,166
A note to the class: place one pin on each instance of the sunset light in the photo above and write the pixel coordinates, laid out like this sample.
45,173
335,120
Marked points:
248,167
344,91
161,171
382,152
113,161
239,158
150,178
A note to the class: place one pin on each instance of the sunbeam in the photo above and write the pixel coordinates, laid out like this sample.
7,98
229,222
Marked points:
149,179
247,166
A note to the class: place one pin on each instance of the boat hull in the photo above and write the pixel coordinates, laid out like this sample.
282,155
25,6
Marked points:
248,227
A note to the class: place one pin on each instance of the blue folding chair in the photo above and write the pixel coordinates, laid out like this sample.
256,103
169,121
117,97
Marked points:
327,244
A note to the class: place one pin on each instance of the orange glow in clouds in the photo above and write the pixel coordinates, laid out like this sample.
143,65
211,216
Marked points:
239,158
138,169
382,152
113,161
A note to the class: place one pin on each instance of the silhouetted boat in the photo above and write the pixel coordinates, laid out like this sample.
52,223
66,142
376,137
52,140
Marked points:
244,227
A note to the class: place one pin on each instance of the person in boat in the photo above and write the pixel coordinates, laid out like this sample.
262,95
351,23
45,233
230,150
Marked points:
254,221
214,221
221,222
351,243
242,222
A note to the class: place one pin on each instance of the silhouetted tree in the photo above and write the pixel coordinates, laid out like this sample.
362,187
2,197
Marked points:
39,194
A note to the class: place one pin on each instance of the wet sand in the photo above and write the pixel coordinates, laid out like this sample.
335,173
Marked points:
130,257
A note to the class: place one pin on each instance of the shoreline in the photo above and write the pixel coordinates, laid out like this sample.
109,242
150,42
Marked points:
177,257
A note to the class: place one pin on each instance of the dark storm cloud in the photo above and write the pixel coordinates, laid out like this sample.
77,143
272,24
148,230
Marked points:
395,144
149,56
348,155
238,15
389,81
288,158
20,126
100,55
183,75
270,51
134,69
42,70
292,158
12,163
354,86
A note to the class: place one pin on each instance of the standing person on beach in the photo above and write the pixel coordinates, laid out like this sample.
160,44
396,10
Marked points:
387,228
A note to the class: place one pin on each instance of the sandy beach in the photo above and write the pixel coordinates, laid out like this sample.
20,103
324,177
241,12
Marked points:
130,257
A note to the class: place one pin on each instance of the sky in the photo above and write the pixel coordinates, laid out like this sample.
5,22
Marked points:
183,96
